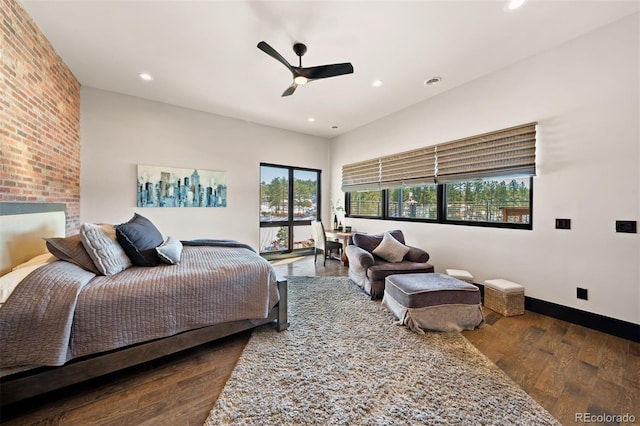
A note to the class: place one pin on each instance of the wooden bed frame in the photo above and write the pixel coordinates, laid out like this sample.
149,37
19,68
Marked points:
26,384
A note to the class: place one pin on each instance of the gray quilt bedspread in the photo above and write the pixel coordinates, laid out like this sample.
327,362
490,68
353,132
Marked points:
62,312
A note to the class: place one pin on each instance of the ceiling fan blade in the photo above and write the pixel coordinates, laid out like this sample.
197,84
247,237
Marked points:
274,54
290,90
302,75
325,71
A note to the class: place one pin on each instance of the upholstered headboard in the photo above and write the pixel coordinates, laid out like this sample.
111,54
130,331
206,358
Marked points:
23,227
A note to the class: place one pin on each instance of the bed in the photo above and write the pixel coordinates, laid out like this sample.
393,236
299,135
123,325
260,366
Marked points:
63,323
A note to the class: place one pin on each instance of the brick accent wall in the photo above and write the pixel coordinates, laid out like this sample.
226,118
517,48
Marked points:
39,118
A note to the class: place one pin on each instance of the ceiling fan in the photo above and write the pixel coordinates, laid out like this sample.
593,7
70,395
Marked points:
304,75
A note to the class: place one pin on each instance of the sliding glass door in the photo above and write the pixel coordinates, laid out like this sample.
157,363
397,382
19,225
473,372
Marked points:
289,201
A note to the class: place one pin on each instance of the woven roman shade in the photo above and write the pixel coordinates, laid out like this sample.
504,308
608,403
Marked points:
410,168
361,176
505,152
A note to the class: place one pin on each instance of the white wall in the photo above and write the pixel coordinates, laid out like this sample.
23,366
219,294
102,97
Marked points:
119,132
585,97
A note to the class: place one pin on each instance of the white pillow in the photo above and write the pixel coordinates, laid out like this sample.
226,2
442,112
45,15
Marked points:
170,251
11,280
40,260
107,254
391,249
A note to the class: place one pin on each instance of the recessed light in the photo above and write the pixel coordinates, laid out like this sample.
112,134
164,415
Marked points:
376,83
145,76
433,81
334,127
311,119
513,5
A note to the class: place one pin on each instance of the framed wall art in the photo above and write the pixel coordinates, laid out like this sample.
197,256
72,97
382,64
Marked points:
160,186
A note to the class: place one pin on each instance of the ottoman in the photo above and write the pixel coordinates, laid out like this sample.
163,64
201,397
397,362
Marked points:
461,274
433,301
504,297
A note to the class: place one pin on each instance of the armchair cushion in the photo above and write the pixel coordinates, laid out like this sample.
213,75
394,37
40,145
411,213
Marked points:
359,256
381,270
417,255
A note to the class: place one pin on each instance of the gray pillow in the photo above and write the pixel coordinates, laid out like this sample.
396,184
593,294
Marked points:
100,242
391,249
139,239
71,250
170,251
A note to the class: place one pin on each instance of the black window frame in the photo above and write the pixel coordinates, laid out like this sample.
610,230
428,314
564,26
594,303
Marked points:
386,206
441,215
291,222
347,206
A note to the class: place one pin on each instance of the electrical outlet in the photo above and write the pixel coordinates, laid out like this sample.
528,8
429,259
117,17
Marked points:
582,293
628,226
563,223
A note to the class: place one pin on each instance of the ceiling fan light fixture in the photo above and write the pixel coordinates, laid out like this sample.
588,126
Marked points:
302,75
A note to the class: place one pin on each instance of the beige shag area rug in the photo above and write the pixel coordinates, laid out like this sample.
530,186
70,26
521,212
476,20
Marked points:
343,362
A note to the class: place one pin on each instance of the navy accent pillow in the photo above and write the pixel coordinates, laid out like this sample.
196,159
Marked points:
139,239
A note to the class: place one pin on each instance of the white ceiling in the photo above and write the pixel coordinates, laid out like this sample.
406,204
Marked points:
203,54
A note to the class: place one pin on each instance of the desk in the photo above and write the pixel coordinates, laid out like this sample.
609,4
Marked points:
344,236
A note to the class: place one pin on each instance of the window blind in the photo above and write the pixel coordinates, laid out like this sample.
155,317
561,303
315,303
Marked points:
505,152
410,168
361,176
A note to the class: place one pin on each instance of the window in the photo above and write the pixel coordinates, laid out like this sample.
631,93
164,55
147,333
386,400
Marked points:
489,200
289,201
365,204
484,180
416,202
500,202
274,194
305,194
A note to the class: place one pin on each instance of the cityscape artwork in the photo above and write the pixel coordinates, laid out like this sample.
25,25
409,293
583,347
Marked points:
174,187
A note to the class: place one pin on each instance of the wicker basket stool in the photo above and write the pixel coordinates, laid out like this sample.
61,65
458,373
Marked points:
504,297
461,275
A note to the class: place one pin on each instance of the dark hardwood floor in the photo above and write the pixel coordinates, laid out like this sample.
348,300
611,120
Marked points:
568,369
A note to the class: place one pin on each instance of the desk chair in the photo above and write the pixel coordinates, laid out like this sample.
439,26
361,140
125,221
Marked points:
321,244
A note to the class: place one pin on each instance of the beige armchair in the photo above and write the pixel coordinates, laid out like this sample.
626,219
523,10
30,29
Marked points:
369,270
